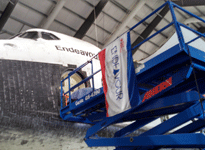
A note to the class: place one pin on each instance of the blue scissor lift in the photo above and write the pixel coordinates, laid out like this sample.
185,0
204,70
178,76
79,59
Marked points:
176,81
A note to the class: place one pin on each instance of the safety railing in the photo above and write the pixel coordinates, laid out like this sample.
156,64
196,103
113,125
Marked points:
174,22
64,93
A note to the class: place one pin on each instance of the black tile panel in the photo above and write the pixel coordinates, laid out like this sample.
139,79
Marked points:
29,89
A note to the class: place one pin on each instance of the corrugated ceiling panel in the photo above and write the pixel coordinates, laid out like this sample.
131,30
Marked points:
20,11
80,7
55,26
25,14
202,9
144,11
69,19
85,38
3,4
106,22
168,16
149,7
139,29
114,11
101,35
133,36
132,22
13,26
180,17
4,36
43,6
169,31
25,27
139,55
148,47
193,10
180,14
127,4
154,4
124,30
93,2
162,24
158,39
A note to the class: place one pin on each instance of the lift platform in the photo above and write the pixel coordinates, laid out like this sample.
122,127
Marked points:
172,82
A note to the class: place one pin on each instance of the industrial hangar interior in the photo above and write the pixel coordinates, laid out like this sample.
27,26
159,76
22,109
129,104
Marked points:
99,22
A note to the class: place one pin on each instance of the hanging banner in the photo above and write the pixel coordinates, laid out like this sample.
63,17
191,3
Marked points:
118,74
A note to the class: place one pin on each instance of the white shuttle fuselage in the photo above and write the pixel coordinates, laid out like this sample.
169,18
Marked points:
32,65
45,46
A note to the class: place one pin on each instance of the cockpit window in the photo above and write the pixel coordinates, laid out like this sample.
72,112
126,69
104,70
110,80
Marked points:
29,35
49,36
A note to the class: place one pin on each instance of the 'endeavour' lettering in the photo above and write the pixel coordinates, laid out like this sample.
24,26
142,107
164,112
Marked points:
81,52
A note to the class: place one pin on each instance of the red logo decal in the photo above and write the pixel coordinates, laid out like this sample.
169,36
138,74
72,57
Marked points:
121,45
157,89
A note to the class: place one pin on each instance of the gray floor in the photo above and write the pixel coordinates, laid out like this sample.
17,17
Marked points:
17,139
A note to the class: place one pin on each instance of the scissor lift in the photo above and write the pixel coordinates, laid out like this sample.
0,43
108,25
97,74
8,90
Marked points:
177,81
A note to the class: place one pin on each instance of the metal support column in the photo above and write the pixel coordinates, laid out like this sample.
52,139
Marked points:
53,14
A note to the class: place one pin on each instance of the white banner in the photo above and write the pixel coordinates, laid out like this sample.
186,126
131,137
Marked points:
113,61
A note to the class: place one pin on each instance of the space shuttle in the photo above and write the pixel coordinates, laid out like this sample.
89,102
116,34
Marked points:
32,64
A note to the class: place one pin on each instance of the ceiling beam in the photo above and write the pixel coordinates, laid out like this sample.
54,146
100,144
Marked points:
102,12
127,11
151,27
121,28
53,14
123,8
138,34
7,12
189,2
152,9
202,29
146,24
193,20
90,20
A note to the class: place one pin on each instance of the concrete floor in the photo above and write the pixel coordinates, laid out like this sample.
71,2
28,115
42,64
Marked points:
19,139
